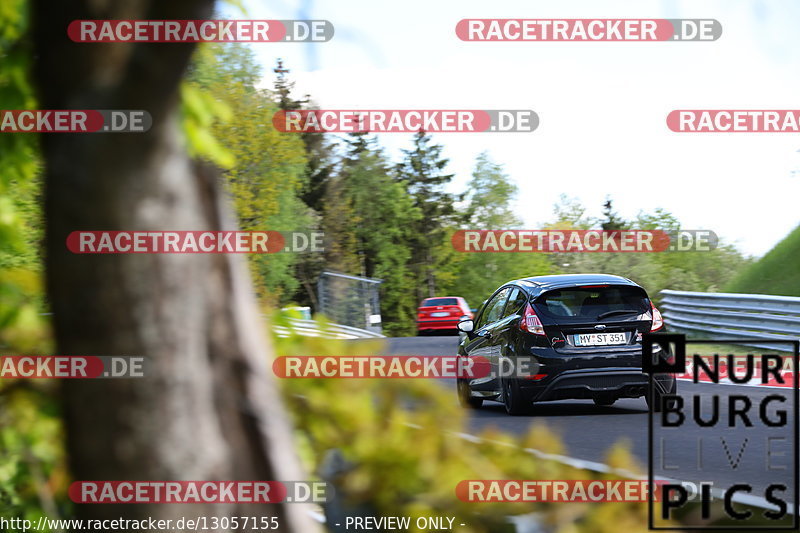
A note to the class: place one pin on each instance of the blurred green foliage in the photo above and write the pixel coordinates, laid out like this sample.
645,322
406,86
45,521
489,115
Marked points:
400,438
228,120
33,476
20,216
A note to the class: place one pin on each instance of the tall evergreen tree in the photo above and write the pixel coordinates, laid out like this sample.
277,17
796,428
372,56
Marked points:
369,218
612,220
422,173
321,153
320,167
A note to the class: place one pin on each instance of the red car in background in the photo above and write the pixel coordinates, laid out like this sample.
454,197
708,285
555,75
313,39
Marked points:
441,314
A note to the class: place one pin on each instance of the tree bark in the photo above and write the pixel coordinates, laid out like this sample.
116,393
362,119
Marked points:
207,408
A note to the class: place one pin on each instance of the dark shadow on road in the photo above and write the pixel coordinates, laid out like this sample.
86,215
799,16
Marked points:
557,409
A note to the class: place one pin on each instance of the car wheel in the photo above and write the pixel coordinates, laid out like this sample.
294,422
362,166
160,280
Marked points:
465,398
513,400
604,401
658,395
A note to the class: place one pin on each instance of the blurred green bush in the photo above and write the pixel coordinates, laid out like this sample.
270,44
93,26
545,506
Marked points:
400,437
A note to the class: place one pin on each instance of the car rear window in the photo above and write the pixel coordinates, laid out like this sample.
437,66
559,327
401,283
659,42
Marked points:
430,302
589,303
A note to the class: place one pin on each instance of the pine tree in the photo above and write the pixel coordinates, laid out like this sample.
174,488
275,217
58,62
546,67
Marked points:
319,170
422,173
321,156
369,219
612,220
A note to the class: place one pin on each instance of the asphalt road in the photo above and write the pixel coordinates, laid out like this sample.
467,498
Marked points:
588,431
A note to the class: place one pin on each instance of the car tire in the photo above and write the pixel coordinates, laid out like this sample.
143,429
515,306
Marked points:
465,399
604,401
513,399
658,395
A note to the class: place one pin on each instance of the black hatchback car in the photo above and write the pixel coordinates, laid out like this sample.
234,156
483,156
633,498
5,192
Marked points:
579,336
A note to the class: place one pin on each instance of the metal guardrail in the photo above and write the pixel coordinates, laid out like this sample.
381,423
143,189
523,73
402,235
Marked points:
310,328
733,316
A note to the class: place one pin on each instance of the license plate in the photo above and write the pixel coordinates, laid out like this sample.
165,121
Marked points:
443,313
600,339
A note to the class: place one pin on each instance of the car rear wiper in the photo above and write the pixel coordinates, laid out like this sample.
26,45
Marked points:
618,312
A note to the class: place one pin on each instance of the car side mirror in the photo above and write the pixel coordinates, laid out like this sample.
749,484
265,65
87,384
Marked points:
466,325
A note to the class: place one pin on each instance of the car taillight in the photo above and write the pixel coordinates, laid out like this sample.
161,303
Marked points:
536,377
658,320
530,321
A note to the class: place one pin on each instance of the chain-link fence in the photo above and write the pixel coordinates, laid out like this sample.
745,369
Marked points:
350,300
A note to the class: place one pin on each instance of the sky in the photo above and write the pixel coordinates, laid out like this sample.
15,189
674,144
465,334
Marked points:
602,105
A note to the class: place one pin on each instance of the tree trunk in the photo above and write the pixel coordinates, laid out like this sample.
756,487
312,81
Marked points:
207,408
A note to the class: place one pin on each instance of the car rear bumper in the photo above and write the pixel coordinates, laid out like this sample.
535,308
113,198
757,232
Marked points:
447,323
594,382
